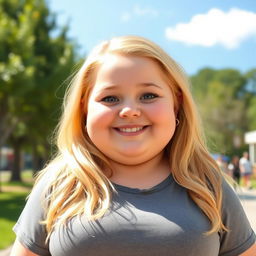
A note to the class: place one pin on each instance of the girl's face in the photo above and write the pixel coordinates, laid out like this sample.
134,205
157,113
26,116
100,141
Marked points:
131,115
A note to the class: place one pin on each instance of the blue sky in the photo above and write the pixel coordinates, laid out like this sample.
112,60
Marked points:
197,34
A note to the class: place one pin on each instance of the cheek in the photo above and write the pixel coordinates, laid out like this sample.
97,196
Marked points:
163,113
98,116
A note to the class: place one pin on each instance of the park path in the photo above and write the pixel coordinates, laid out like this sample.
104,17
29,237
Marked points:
248,200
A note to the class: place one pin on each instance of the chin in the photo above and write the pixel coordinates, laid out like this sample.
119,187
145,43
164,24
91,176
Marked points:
132,159
130,162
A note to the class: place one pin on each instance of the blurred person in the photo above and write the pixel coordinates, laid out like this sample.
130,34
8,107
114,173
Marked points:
234,168
223,165
246,170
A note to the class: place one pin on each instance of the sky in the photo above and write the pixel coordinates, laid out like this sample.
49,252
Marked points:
197,34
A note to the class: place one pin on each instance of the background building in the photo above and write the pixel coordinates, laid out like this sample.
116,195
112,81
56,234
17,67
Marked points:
250,138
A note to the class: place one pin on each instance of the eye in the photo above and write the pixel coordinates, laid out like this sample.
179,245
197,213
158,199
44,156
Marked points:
149,96
110,99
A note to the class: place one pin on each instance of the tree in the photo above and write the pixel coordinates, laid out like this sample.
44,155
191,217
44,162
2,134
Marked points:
16,66
251,99
33,64
221,100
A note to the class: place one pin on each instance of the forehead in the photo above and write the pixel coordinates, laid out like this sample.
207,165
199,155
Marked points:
120,67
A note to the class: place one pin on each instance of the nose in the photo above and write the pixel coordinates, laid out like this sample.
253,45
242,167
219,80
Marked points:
129,111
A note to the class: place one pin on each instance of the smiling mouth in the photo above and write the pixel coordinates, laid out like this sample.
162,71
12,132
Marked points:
130,129
135,129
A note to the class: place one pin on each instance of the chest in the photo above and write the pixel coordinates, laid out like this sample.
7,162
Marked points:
136,225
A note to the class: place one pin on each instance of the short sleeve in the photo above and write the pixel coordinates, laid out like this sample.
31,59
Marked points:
240,235
28,229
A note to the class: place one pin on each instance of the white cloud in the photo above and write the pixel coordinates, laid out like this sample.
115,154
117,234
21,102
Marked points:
215,27
138,11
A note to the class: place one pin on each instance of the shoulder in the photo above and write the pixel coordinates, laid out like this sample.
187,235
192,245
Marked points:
239,235
233,214
29,230
42,183
229,197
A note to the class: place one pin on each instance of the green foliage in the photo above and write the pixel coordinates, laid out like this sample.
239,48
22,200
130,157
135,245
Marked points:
251,114
251,81
227,105
33,67
251,98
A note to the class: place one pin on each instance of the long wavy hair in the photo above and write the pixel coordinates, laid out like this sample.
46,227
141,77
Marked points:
80,183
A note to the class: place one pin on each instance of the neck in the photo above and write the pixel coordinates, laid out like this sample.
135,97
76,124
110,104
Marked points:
143,175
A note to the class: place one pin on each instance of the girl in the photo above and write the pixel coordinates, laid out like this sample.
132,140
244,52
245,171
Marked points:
132,175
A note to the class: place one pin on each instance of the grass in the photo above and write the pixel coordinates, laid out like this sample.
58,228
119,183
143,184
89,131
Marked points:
12,200
254,181
11,205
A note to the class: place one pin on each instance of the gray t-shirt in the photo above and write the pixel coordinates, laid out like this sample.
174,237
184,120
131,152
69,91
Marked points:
162,220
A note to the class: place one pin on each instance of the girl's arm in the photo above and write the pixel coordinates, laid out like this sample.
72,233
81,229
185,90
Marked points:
19,250
250,252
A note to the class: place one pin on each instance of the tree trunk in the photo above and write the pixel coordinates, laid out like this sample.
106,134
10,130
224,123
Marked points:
7,125
16,170
36,160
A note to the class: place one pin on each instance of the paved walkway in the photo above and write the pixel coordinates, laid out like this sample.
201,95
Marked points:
248,199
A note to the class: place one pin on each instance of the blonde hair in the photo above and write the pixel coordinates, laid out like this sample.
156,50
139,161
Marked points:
80,183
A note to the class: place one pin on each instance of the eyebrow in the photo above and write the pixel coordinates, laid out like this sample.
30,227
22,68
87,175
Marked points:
150,84
114,86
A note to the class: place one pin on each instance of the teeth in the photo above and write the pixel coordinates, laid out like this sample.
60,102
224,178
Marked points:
135,129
